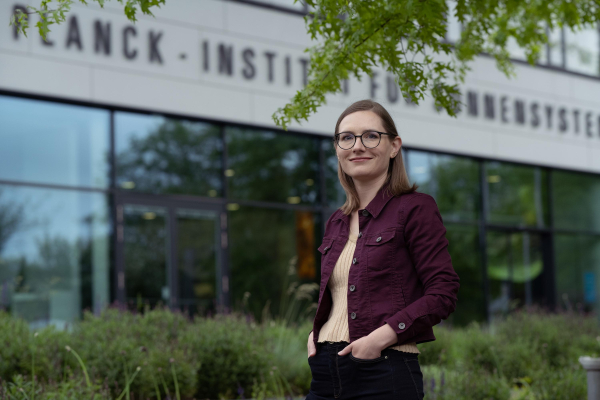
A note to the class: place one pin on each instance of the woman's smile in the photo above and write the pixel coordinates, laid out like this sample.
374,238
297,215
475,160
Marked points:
359,159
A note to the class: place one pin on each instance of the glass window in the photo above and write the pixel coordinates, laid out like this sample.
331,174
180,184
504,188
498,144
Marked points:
551,54
517,194
267,166
515,271
163,155
463,245
583,51
272,253
577,271
453,29
54,253
290,4
198,239
452,181
53,143
333,189
146,242
576,201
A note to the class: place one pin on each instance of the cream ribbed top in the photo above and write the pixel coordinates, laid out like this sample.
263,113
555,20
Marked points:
336,327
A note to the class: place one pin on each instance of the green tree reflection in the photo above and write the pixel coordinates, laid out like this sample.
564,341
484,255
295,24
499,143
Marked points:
178,157
267,166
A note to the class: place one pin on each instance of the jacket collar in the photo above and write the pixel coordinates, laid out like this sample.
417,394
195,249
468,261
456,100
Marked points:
374,207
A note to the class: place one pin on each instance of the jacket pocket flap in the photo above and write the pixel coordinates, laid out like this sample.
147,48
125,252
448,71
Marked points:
326,245
381,238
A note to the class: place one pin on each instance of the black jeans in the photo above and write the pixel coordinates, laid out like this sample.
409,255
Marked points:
394,375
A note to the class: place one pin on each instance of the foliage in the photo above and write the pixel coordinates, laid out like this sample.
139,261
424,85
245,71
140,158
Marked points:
48,16
405,37
529,355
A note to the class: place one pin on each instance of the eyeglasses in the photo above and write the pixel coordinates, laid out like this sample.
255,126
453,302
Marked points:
370,139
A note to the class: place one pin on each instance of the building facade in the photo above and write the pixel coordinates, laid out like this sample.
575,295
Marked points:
139,164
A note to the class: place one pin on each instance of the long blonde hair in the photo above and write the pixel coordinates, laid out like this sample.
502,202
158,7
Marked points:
396,181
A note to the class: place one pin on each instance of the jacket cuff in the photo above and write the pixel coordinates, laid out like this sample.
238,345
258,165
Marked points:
402,325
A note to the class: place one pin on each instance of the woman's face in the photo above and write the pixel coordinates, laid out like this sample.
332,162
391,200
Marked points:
364,163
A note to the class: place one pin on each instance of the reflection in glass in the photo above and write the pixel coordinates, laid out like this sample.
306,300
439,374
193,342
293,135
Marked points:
576,201
267,166
45,142
265,263
463,245
583,50
577,271
514,271
54,254
517,194
145,253
197,258
333,189
551,54
163,155
452,181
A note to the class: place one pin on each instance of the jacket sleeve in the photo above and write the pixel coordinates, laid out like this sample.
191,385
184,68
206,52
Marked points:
425,238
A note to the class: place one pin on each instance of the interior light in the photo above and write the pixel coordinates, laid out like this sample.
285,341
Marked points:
128,185
149,215
293,200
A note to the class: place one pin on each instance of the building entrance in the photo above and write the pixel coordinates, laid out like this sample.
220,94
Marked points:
169,252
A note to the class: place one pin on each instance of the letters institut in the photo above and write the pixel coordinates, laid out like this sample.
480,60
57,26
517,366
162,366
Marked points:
140,165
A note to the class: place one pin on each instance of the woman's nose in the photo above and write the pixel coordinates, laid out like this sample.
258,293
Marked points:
358,145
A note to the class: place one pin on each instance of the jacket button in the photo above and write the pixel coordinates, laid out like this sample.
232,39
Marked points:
354,261
353,315
378,239
359,234
352,287
401,325
326,248
365,213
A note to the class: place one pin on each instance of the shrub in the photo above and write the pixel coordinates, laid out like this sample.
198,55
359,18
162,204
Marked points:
524,356
232,354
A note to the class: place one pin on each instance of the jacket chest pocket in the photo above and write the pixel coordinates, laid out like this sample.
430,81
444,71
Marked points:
380,248
325,250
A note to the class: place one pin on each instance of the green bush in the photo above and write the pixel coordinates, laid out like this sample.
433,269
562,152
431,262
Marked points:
160,353
532,354
232,354
442,383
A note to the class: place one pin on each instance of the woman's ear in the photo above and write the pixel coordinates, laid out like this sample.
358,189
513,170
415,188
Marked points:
396,146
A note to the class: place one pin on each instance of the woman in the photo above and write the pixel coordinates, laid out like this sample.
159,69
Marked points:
386,275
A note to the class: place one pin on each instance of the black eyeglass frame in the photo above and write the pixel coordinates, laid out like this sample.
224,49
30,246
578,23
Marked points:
336,138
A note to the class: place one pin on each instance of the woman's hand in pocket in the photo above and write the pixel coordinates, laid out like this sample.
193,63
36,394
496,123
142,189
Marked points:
365,348
312,350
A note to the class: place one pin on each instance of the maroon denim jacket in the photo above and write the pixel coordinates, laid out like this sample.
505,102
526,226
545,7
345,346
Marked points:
401,271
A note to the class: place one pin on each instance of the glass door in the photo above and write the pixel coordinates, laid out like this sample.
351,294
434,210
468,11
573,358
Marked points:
169,253
515,270
198,260
145,253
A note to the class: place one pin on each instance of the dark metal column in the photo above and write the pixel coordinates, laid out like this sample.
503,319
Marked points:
483,202
548,258
172,264
225,297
